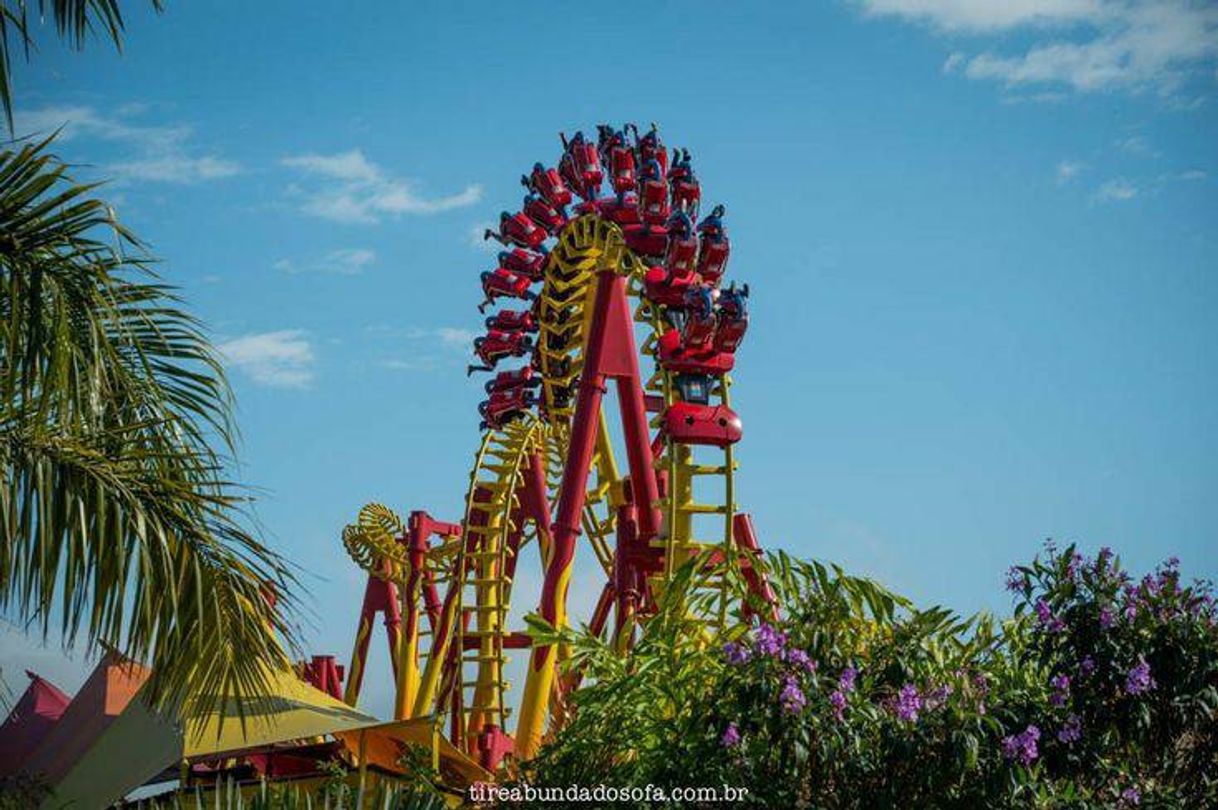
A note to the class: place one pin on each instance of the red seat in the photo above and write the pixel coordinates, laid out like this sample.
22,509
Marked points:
676,359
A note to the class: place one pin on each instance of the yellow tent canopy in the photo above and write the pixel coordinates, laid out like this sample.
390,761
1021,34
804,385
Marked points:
142,743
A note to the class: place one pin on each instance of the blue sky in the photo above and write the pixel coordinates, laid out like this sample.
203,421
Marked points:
980,239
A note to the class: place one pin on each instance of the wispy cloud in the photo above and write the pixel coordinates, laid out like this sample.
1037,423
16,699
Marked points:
156,153
347,187
475,237
1118,189
418,348
343,262
1068,170
1136,145
984,15
282,359
1086,45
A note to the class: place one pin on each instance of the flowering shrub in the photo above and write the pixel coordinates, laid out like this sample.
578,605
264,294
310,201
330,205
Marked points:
1099,691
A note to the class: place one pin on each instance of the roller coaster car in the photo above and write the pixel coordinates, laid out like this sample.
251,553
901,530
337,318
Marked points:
548,184
497,344
517,229
666,288
523,263
653,195
682,252
646,240
685,189
689,423
621,168
524,377
606,138
700,320
623,212
502,283
733,318
679,359
651,148
593,206
544,214
501,407
714,246
513,320
580,166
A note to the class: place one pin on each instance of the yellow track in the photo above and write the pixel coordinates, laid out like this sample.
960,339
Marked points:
471,683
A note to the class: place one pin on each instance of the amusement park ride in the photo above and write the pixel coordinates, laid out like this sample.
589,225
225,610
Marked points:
582,274
608,259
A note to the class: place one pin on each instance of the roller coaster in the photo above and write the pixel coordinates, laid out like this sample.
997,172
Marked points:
603,264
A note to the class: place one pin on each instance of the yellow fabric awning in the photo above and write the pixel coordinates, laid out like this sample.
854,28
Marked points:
142,743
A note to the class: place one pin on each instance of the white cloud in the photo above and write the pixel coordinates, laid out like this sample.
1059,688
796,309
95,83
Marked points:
1192,174
156,153
282,359
457,338
427,348
358,191
1136,145
343,262
1067,170
1087,45
984,15
1117,189
476,238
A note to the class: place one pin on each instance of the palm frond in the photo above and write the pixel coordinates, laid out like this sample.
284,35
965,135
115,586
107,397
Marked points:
115,429
75,21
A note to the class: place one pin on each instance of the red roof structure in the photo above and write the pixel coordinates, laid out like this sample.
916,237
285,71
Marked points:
30,721
110,687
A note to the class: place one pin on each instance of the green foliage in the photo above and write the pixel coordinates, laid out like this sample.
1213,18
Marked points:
338,790
856,698
115,515
21,791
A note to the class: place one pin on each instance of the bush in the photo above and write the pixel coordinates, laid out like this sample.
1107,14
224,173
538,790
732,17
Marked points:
1097,692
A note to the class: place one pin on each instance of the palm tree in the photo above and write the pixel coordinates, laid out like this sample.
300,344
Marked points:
74,21
116,520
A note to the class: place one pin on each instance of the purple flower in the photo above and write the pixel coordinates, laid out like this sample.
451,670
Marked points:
909,703
1072,731
1061,690
1131,611
1086,666
792,697
1044,615
1022,746
1138,679
770,642
981,684
938,696
731,736
736,654
1130,795
800,659
1016,579
1073,564
1106,618
1101,559
837,701
846,681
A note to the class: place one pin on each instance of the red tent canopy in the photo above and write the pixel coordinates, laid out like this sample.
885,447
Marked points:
105,694
31,719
